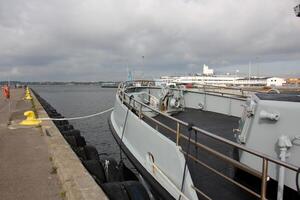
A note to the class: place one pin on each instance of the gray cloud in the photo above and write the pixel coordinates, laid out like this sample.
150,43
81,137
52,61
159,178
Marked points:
98,40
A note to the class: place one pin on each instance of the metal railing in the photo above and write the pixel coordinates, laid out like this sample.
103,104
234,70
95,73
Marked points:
207,89
266,159
212,89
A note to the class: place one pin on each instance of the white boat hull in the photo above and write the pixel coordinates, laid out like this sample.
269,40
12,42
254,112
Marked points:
159,156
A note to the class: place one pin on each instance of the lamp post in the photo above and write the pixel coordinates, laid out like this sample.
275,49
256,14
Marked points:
236,75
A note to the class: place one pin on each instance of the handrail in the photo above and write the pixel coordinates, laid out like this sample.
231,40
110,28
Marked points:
205,86
169,181
210,150
214,93
218,138
149,95
222,175
265,158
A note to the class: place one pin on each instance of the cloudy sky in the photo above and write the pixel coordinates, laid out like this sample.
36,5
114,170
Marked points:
89,40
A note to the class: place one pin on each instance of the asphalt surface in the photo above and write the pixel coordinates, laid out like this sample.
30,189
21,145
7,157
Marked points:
26,170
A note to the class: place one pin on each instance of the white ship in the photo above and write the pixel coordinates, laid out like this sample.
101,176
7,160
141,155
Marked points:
202,145
207,77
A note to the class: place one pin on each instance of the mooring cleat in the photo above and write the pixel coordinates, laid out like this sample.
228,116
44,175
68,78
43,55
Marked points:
30,120
27,91
28,97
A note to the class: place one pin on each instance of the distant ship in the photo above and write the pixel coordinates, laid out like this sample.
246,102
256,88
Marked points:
209,78
200,145
110,85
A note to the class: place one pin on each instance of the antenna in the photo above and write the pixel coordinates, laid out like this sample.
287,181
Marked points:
249,73
129,72
258,67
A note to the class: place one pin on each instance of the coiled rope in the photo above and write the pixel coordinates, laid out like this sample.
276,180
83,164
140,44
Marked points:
76,118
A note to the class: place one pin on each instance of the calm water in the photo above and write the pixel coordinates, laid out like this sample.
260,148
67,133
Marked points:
72,101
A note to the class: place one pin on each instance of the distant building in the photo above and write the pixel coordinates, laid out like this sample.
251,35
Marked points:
293,81
208,78
206,71
275,81
253,81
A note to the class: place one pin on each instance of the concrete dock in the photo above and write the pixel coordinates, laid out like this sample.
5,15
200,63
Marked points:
25,168
35,161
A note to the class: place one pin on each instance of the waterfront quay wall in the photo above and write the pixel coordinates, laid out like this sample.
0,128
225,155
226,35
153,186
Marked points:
76,181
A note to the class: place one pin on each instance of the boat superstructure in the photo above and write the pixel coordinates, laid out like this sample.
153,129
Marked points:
202,145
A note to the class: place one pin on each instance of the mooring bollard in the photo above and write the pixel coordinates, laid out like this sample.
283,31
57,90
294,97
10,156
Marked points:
30,120
27,94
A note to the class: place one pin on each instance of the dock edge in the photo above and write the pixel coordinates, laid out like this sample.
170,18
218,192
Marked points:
77,183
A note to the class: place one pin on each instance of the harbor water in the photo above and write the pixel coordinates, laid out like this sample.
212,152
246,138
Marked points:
80,100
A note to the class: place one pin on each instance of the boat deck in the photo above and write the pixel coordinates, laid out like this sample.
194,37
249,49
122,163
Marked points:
211,184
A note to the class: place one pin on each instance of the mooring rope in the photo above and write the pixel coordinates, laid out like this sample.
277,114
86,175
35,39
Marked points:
76,118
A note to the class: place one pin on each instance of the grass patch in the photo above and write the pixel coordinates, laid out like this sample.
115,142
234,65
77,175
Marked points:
63,194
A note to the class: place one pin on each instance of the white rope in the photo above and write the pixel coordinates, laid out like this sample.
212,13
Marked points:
76,118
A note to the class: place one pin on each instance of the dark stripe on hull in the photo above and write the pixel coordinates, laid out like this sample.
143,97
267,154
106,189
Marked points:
148,177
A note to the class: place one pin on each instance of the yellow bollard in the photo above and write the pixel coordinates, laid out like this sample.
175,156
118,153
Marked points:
28,97
27,94
27,91
30,119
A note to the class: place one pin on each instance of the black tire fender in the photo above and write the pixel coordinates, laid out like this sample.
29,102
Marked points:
95,168
91,153
73,132
136,190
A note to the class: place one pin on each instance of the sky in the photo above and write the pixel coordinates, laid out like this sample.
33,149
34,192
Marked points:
92,40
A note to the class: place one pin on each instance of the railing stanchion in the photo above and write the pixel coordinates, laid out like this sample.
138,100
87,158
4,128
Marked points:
140,111
177,134
264,178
